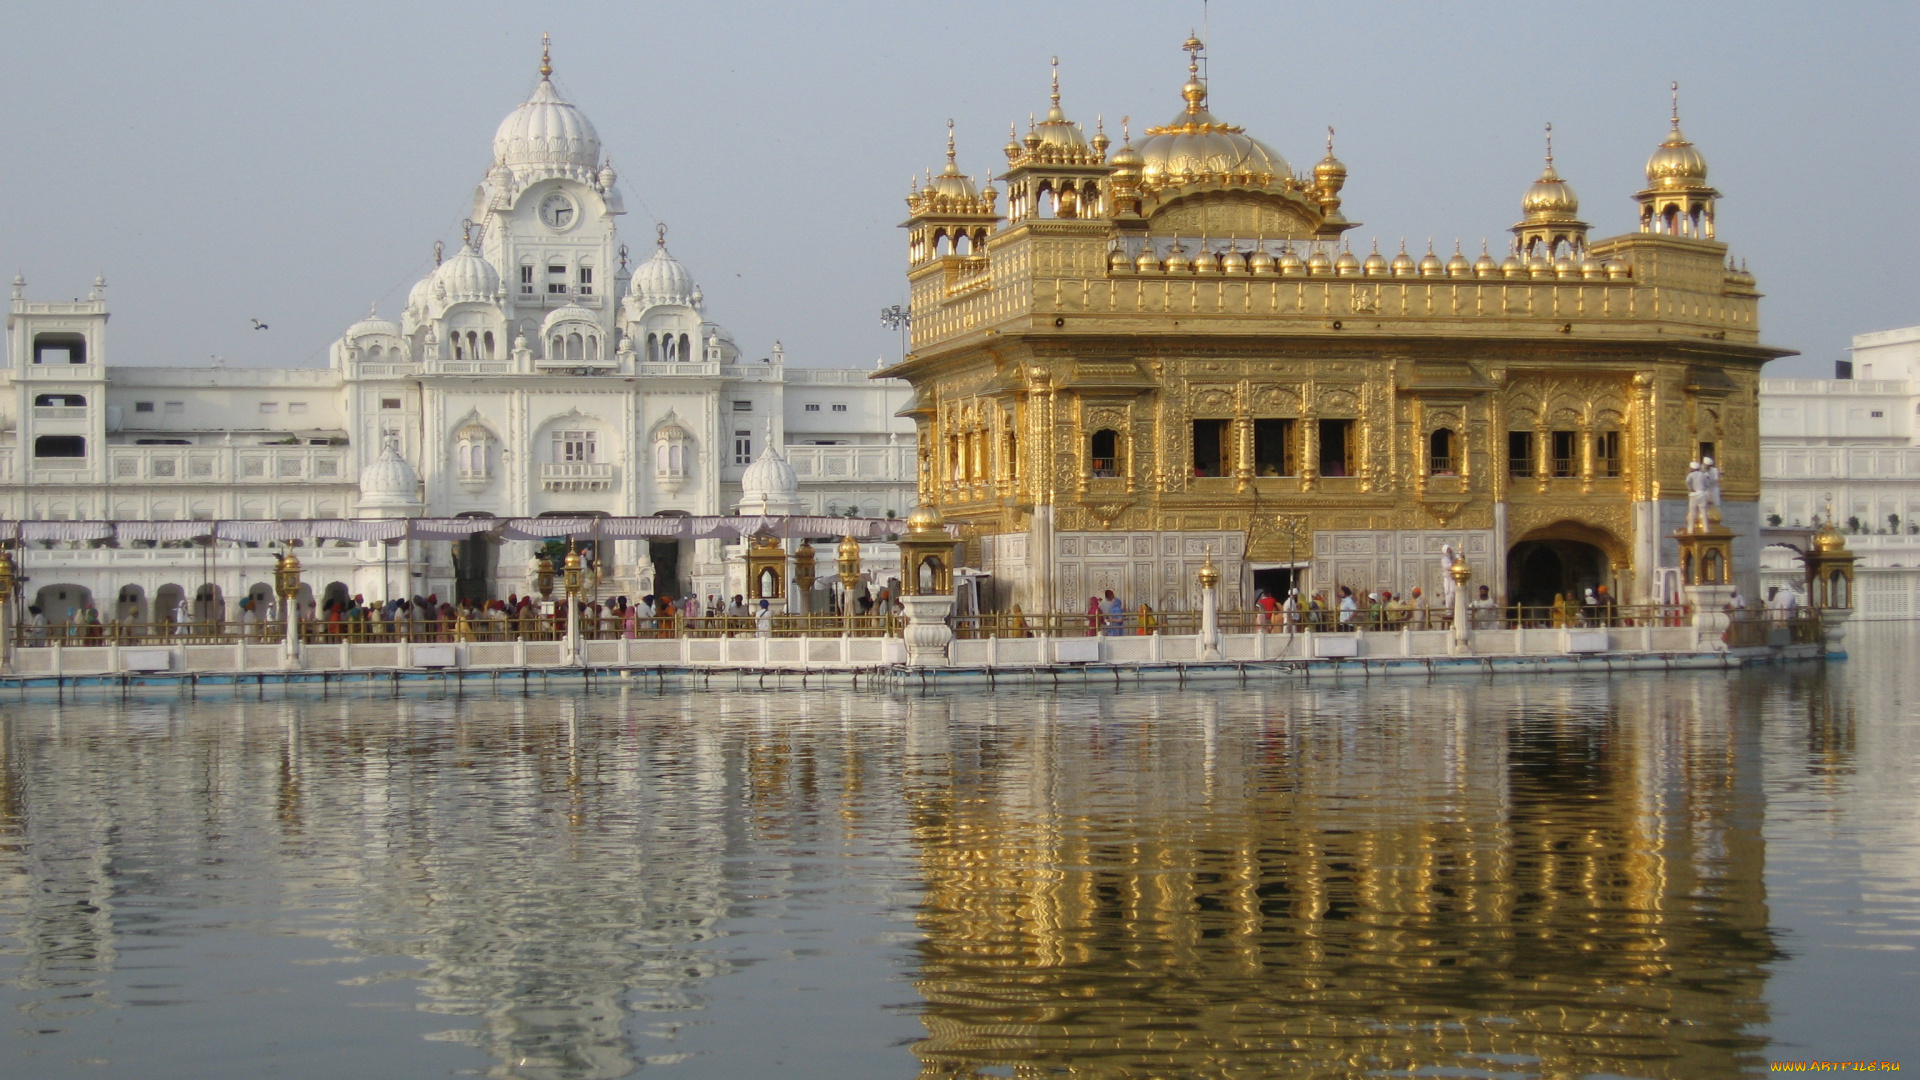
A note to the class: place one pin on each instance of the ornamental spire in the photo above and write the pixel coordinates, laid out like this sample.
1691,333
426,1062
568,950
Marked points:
546,57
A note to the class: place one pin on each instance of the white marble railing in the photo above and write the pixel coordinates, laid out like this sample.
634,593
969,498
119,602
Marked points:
832,464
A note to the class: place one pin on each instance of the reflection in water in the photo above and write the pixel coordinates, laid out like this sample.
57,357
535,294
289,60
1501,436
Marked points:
1563,877
1533,877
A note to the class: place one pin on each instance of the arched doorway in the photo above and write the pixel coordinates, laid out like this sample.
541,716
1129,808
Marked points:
1565,558
474,563
62,604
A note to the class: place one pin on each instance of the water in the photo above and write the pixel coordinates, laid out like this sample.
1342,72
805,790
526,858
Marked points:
1642,876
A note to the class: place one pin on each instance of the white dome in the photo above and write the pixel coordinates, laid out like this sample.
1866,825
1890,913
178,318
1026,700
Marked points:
420,295
662,280
389,481
769,478
465,278
546,132
371,325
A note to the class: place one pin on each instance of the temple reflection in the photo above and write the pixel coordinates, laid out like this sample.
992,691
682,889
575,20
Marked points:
1565,877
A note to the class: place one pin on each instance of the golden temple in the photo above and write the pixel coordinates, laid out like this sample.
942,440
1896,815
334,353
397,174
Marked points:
1173,349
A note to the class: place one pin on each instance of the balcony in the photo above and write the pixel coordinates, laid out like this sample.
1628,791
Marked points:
576,476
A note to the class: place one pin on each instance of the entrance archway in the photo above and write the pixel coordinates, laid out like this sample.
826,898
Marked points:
1565,558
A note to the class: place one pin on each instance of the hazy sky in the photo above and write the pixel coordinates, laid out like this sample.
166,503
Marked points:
293,163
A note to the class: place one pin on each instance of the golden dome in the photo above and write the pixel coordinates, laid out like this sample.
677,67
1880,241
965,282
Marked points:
1828,539
1319,262
1057,135
1346,265
1458,266
1145,262
1233,262
1550,196
1376,265
1204,261
951,182
1262,261
1330,174
1290,262
924,520
1675,163
1430,264
1484,266
1197,146
1177,259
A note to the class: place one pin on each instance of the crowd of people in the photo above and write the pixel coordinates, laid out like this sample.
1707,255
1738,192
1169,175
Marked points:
430,619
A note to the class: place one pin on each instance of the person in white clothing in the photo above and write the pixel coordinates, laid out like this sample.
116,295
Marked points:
1348,606
1290,609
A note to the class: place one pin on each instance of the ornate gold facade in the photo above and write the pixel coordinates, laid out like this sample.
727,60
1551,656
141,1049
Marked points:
1174,343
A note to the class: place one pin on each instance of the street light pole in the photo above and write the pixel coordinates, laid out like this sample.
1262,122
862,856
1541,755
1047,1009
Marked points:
286,582
849,577
574,577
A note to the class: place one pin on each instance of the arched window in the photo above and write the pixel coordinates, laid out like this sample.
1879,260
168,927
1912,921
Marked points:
593,347
686,348
1104,453
374,353
69,401
672,453
486,342
459,348
1443,452
653,348
557,348
576,349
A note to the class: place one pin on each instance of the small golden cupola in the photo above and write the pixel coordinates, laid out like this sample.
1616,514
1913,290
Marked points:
1055,172
1329,176
1677,200
1550,225
948,216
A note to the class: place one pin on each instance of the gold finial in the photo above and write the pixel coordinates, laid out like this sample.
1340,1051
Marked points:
466,232
1550,144
950,162
1329,140
1676,105
546,57
439,248
660,234
1126,130
1056,82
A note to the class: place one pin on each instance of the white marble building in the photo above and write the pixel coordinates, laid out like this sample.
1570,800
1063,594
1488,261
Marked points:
1852,442
537,370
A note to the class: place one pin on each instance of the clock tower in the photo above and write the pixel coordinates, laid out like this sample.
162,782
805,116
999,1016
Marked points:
547,210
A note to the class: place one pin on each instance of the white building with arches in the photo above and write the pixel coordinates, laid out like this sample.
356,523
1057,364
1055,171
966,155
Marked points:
537,370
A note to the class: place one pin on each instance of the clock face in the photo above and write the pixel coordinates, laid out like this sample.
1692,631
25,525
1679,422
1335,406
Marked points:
557,211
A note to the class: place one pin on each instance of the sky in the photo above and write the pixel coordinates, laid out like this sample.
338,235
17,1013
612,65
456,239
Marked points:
293,164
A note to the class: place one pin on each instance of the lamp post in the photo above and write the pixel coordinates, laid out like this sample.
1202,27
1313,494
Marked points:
7,582
1209,609
543,576
1462,630
286,583
574,580
804,576
849,577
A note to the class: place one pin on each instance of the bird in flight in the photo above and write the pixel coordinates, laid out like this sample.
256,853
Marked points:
258,325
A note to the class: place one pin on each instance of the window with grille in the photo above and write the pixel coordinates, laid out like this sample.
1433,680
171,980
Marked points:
1519,453
1606,453
574,446
586,281
743,447
526,281
813,407
1565,453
